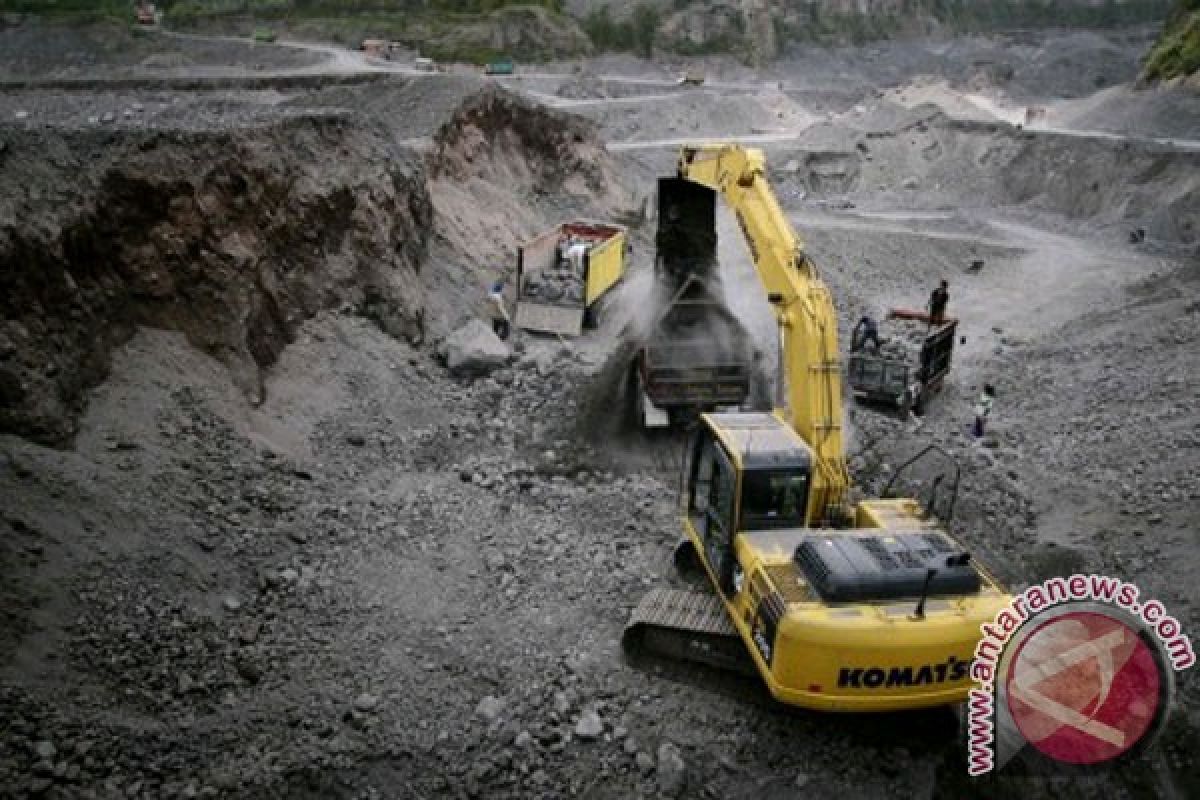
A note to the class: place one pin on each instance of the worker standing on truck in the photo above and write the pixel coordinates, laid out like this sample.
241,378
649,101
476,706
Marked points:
938,301
983,410
500,320
865,331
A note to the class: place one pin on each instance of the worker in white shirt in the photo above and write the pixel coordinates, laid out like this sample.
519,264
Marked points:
500,320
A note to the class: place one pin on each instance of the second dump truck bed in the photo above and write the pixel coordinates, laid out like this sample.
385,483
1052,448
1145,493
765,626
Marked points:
563,273
911,362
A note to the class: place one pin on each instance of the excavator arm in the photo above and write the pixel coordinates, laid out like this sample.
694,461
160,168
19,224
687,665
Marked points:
803,308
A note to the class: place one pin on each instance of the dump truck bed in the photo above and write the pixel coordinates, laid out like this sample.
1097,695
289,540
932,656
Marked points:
698,354
553,297
912,361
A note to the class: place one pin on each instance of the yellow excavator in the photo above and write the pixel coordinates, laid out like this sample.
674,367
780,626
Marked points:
838,606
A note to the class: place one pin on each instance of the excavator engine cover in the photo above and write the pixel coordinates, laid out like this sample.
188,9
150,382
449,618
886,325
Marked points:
876,565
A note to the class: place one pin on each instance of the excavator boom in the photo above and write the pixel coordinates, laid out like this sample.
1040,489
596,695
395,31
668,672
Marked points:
803,307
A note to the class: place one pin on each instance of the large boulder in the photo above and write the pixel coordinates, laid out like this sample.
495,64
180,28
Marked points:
475,350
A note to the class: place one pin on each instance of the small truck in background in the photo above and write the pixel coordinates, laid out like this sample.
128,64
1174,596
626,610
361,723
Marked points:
909,365
503,66
563,273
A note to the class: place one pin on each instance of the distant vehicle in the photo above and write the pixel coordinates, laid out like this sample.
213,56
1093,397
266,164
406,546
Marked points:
693,77
264,35
375,48
425,65
502,67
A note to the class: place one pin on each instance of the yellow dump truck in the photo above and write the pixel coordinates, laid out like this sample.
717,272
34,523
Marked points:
563,273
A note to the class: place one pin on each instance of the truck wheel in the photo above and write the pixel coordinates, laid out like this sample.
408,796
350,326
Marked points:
590,320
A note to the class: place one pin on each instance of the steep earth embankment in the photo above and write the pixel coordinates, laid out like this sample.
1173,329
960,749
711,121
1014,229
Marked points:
231,236
502,169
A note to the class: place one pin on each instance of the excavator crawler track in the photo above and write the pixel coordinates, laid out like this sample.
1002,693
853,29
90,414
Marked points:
685,625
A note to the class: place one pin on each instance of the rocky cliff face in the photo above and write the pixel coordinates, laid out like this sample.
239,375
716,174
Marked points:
528,33
231,236
502,167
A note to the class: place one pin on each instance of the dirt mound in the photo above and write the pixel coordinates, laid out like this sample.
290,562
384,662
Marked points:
1159,111
503,169
698,113
923,158
499,136
233,237
407,107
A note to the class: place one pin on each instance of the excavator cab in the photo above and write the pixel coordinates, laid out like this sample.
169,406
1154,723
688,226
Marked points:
744,472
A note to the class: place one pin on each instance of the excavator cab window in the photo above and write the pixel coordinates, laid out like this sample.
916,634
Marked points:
712,498
711,488
774,498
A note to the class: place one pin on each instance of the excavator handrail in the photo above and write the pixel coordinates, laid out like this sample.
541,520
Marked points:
887,489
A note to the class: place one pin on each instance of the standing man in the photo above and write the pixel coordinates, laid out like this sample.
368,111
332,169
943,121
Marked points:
938,301
983,410
500,320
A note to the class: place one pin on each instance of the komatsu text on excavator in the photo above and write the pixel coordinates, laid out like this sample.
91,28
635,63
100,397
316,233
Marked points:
838,606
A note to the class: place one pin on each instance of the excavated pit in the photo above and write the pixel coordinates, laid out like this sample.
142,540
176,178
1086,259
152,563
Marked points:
234,237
